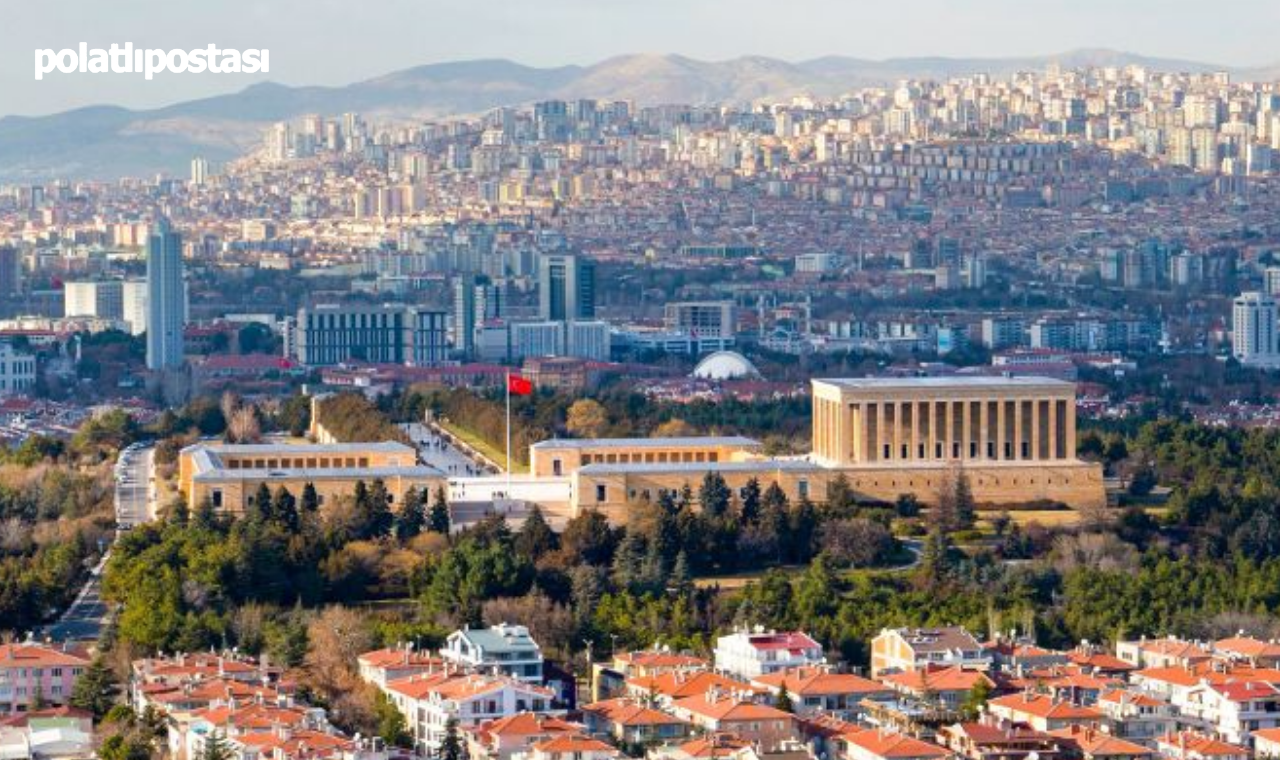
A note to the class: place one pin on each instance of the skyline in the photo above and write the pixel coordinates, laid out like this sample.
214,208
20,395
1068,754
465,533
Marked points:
301,37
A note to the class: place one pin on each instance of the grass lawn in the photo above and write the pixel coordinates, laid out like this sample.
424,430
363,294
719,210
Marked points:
498,455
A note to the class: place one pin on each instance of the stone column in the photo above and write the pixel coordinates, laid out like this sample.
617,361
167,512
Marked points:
1071,427
1035,428
1054,432
916,406
1001,422
878,445
966,437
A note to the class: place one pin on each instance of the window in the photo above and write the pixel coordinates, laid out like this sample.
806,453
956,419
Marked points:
601,492
216,498
802,488
556,467
888,451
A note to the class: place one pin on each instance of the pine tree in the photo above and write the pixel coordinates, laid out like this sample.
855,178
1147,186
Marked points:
935,558
451,745
783,701
966,510
284,509
628,561
535,537
216,747
714,495
260,504
751,502
976,699
681,580
310,499
438,517
378,517
96,689
412,516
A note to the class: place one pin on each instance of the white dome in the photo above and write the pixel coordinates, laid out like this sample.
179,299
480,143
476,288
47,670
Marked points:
725,365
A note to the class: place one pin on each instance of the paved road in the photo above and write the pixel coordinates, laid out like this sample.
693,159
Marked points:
135,504
440,454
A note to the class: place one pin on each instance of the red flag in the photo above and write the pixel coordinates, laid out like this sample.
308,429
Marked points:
519,386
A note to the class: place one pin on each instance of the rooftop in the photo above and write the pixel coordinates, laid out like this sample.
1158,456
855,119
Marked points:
952,381
650,443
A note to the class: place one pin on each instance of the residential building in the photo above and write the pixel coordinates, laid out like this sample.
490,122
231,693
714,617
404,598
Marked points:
1254,338
1043,712
31,672
815,691
18,369
896,650
429,702
749,654
504,648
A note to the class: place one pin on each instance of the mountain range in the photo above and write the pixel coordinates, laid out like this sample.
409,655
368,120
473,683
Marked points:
107,141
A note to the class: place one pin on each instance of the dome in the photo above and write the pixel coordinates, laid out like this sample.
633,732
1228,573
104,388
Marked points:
725,365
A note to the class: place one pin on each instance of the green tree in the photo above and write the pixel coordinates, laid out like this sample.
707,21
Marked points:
535,537
96,689
751,502
451,746
976,699
438,518
391,724
411,518
714,495
215,747
783,701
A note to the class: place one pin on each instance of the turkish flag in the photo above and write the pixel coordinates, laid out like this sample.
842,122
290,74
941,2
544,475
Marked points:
519,386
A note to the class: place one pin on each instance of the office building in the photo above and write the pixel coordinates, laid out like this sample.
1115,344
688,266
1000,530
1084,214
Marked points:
10,271
199,171
133,299
387,334
475,301
1253,330
93,298
566,288
166,300
700,319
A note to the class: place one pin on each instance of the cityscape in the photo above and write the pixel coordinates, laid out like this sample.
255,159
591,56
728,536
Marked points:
748,404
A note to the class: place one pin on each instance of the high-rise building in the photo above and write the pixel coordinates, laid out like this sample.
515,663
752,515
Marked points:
566,288
388,334
475,301
10,271
199,171
1253,330
166,301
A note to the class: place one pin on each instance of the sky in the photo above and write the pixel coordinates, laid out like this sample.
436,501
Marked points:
334,42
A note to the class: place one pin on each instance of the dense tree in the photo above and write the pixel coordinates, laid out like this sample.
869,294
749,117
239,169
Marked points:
714,495
96,689
587,418
438,517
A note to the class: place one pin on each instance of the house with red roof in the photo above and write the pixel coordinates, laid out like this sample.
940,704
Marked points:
1248,650
895,650
570,747
994,739
429,701
766,727
747,654
1138,716
1044,713
882,744
1162,653
672,686
817,691
1232,708
945,686
393,663
30,671
1191,745
504,738
630,721
1089,743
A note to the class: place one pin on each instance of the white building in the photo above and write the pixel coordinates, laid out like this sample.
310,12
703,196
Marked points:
134,305
429,702
503,648
749,654
17,370
93,298
1253,330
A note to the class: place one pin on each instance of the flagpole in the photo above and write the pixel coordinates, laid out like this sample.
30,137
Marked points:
508,435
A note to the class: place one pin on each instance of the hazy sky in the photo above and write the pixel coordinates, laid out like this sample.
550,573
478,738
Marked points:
340,41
